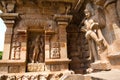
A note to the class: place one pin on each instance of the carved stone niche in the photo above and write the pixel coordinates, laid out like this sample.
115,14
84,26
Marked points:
35,45
36,51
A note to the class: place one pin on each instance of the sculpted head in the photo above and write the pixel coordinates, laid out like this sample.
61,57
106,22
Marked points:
89,11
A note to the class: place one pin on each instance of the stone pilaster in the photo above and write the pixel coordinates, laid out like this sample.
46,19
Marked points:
9,19
60,63
62,22
11,66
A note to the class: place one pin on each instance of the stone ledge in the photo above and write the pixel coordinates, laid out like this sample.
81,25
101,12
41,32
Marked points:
116,55
57,61
12,61
63,18
9,16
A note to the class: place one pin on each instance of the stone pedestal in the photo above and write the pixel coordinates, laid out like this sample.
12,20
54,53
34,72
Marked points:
114,60
36,67
101,65
114,54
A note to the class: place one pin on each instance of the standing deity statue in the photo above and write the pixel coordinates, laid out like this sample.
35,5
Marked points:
93,33
37,46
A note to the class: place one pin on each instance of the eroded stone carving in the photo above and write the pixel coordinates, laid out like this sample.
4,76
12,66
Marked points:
11,77
34,77
37,46
8,7
55,51
16,49
111,16
36,67
26,77
18,77
93,33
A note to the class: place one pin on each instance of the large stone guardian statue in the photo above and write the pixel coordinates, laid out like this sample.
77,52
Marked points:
93,25
93,33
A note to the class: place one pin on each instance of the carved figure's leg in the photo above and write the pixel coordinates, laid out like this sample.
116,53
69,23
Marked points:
33,58
92,34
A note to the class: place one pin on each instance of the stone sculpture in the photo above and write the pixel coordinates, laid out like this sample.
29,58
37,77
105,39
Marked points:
111,16
16,50
8,7
37,46
93,33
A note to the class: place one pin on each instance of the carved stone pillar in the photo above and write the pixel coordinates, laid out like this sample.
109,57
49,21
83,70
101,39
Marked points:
9,19
60,63
6,64
62,22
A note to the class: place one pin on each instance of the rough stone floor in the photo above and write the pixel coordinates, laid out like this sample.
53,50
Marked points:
106,75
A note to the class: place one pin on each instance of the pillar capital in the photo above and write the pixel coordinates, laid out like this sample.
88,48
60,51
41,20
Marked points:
62,18
9,18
